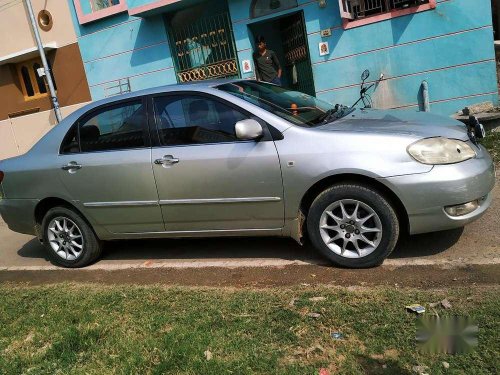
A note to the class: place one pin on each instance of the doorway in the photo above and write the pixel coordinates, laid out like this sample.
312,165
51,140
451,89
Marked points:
287,37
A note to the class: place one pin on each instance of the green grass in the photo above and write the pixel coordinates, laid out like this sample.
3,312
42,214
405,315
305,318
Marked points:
91,329
492,143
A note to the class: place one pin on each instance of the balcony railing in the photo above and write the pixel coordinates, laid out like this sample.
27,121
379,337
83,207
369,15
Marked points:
356,9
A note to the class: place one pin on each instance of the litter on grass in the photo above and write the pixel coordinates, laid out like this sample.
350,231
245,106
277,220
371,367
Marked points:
337,335
445,304
314,315
416,308
208,354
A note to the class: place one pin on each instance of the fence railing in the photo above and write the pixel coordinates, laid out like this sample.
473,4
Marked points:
120,86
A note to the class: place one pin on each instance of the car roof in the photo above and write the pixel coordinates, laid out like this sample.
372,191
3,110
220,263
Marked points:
197,85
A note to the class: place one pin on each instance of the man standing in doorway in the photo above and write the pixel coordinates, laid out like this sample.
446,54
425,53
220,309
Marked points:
267,65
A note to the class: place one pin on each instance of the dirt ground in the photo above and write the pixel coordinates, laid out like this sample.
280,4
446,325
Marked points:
422,277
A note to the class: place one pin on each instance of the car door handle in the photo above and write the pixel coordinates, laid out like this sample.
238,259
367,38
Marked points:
167,160
71,166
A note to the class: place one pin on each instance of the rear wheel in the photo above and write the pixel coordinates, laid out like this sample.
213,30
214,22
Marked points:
68,239
353,225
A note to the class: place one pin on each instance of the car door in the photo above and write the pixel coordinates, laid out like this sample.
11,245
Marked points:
106,167
207,179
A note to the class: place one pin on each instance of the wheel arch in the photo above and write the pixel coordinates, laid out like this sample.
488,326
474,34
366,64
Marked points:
46,204
321,185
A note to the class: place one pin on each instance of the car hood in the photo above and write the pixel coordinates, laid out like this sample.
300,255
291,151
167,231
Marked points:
414,124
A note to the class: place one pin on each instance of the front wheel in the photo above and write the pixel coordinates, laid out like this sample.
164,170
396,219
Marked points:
353,225
68,239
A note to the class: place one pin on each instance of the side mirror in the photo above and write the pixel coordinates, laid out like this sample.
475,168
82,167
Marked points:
248,129
476,127
365,75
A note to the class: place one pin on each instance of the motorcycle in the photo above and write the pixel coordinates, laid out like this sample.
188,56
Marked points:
363,94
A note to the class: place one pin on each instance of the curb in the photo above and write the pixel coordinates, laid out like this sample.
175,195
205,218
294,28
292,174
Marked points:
257,263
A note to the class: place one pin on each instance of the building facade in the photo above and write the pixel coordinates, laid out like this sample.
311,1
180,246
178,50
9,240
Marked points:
118,46
26,111
323,45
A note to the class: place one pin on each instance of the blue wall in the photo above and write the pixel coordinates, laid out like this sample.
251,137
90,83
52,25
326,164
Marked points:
120,47
451,47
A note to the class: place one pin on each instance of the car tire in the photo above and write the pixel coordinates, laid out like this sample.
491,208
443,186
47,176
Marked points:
342,235
69,240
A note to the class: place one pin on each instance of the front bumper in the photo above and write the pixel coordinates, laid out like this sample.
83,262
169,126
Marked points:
19,214
425,195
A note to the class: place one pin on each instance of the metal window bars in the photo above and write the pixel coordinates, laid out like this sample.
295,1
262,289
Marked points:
356,9
120,86
96,5
204,49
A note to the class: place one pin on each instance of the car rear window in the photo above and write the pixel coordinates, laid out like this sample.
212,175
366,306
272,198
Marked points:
115,127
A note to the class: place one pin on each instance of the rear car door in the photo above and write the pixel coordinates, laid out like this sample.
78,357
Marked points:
207,179
106,168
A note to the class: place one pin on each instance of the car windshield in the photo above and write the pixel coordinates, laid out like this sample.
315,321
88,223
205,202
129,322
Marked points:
294,106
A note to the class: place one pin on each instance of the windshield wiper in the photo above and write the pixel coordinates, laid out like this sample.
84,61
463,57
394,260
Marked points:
335,113
330,115
344,111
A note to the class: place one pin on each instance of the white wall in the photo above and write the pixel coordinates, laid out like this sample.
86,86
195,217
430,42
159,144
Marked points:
19,134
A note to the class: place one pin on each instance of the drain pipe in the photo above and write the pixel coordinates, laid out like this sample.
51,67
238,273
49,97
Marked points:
425,95
46,68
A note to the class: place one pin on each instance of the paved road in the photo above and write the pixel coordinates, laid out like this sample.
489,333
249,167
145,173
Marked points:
478,243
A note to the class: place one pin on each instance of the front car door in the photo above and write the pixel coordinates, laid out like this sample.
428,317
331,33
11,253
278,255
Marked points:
106,168
207,179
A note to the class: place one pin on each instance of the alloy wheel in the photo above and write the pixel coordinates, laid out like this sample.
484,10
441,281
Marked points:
350,228
65,238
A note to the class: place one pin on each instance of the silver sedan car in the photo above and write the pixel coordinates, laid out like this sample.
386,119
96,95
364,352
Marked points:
244,158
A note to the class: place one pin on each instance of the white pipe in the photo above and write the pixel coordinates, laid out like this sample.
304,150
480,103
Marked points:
425,95
46,68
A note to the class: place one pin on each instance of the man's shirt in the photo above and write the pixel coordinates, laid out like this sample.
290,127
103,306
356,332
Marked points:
267,65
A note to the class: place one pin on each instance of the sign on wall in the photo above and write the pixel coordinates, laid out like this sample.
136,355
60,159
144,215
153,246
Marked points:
326,32
246,66
324,49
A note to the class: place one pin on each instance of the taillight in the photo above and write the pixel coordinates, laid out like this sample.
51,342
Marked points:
1,176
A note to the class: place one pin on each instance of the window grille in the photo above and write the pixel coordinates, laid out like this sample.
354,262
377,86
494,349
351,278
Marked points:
204,49
96,5
356,9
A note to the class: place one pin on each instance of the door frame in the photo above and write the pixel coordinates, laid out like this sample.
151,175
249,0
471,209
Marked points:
153,128
267,138
88,208
91,112
275,18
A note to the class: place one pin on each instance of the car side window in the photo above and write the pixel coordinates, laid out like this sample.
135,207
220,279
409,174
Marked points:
115,127
70,143
191,119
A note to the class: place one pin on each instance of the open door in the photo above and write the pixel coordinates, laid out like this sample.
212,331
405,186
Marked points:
287,37
297,60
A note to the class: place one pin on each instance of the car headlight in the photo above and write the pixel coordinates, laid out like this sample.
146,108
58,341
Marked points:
440,150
